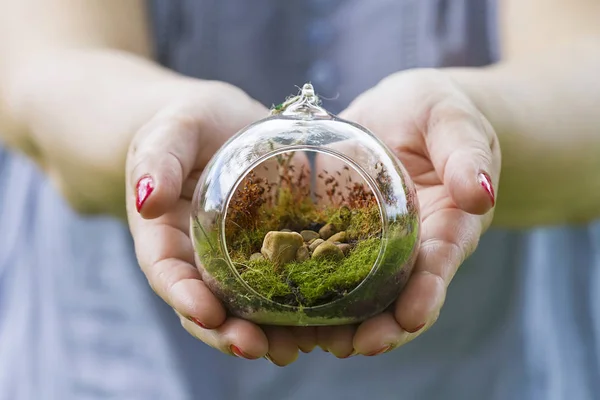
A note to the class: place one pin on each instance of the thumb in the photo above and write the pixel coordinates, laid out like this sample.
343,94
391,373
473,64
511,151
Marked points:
173,147
459,142
465,153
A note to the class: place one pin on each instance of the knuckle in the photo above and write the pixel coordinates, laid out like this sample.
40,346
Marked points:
452,111
163,280
181,120
475,154
482,155
153,279
175,118
451,251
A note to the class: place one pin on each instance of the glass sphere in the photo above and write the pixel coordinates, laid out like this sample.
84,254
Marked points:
303,218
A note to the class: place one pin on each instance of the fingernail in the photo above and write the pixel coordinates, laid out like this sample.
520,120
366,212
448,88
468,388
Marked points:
197,322
144,189
380,351
415,329
269,359
238,352
486,183
349,355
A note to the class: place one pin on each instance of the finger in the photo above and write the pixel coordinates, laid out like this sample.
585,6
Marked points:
337,340
166,256
236,337
283,349
378,335
465,153
161,157
449,236
182,138
458,139
176,280
306,337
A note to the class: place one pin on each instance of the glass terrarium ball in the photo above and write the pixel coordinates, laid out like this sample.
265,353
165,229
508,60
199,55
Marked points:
303,218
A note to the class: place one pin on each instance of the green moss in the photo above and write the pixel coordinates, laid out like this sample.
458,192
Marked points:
310,283
365,223
320,282
261,276
244,245
288,202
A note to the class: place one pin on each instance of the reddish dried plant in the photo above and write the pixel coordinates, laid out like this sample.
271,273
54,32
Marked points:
255,192
355,195
245,205
293,189
360,196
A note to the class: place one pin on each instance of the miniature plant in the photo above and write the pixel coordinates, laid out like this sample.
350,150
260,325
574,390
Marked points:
312,234
345,210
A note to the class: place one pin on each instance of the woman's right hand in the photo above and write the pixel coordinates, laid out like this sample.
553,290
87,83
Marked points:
164,162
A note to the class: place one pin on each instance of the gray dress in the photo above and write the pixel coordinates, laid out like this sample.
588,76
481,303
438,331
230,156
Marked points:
78,320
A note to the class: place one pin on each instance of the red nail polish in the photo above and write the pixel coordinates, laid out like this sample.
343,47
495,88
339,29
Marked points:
197,322
238,352
486,183
416,329
144,189
380,351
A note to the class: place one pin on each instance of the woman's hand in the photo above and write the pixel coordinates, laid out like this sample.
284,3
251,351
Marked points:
452,154
164,162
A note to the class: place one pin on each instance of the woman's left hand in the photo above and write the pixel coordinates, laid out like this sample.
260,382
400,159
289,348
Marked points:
452,154
165,160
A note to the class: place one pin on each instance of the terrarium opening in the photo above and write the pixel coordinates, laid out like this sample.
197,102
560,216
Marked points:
303,228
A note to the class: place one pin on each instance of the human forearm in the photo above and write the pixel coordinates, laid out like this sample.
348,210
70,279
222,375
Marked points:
34,32
75,81
74,87
75,111
545,112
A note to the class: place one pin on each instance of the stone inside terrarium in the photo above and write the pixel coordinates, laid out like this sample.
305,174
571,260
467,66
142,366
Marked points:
304,228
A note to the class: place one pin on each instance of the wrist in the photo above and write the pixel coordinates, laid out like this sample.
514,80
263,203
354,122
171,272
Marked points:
80,79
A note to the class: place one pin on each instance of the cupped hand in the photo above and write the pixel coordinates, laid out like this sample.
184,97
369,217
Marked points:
452,154
164,162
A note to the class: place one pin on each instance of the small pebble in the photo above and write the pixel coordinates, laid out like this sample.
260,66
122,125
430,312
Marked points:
327,250
345,248
302,254
339,237
281,247
256,257
309,235
315,244
327,231
286,230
